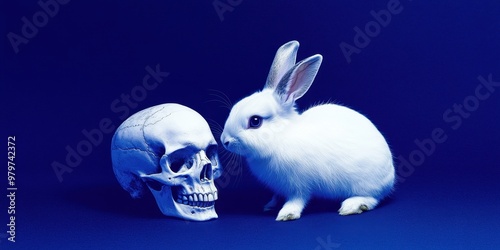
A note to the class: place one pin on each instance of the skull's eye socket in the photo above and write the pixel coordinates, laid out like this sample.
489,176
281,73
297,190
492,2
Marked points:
255,121
181,159
176,165
179,163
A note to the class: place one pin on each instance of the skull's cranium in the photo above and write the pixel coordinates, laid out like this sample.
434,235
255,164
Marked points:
170,149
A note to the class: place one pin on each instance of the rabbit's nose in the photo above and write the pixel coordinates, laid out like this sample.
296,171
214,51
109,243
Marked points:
224,139
226,142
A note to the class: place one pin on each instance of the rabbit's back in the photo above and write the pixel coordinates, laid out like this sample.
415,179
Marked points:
331,151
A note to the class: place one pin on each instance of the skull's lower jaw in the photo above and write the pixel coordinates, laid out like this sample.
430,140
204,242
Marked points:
196,206
173,209
196,213
200,211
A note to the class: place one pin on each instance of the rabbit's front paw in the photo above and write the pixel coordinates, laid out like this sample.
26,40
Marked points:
357,205
291,210
286,216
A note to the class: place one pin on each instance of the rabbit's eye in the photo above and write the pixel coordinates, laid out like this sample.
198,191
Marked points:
255,121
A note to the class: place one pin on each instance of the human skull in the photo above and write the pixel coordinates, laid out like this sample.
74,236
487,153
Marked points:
170,149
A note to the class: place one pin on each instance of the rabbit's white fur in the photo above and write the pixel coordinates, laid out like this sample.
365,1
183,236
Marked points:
328,151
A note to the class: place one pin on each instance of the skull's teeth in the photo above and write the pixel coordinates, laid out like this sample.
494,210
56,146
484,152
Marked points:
198,200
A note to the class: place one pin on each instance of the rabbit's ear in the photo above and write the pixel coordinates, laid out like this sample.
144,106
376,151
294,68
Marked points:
298,79
284,60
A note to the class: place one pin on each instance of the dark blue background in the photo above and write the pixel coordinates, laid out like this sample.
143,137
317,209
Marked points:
426,60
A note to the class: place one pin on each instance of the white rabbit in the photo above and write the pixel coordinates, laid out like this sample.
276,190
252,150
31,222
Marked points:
328,151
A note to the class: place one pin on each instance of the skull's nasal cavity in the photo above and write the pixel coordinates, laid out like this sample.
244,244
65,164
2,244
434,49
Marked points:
206,172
